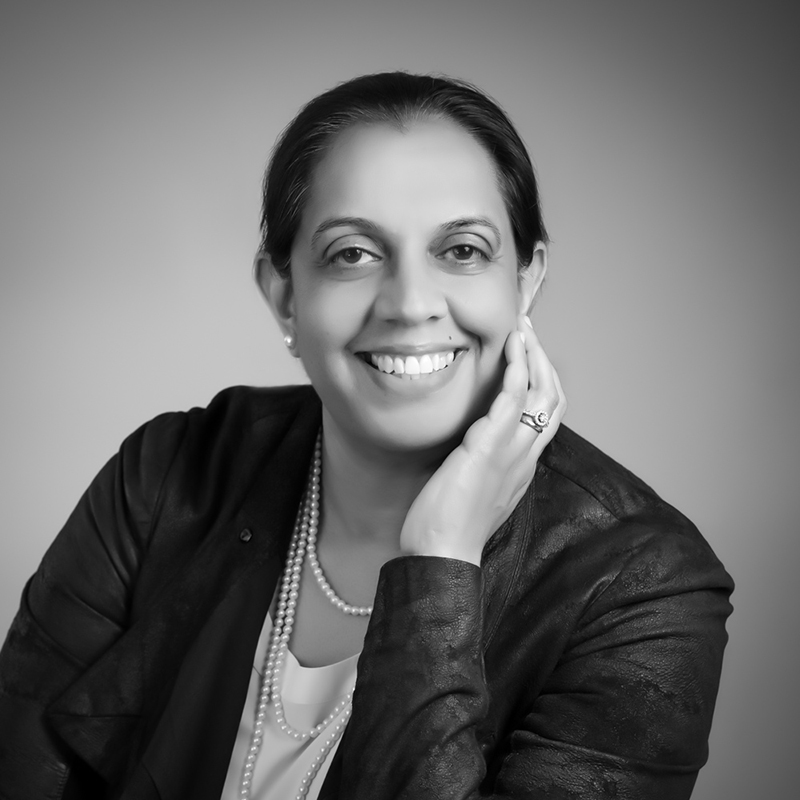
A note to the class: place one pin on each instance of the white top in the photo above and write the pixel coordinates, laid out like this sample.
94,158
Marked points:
309,694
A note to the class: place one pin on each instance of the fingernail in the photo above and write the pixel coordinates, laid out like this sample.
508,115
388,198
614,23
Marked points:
528,321
521,336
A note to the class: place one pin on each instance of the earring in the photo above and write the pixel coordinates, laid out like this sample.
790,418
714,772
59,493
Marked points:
289,341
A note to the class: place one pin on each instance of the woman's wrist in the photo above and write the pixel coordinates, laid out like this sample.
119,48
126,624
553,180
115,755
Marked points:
427,543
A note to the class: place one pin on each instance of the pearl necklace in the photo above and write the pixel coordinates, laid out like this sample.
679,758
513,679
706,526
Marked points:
303,543
316,569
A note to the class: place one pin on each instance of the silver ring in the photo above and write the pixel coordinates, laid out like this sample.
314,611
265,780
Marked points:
538,420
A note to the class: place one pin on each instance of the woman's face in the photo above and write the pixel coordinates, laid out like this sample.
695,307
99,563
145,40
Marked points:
404,285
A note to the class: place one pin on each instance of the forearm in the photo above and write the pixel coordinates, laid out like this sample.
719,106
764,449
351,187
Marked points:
624,713
421,690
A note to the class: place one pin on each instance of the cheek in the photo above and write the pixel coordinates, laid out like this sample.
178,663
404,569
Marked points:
329,314
487,307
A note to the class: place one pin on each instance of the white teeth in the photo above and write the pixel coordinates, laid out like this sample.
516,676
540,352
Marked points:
386,364
411,365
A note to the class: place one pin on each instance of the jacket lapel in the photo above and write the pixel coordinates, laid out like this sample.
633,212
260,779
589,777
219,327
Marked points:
176,680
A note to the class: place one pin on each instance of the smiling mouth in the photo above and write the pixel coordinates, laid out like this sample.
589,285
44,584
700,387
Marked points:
413,366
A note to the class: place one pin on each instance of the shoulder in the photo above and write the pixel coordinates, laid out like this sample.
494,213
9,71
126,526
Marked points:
592,507
254,403
239,416
184,464
573,461
235,407
207,445
181,463
182,478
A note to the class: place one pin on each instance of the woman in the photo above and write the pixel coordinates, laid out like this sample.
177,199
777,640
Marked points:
403,581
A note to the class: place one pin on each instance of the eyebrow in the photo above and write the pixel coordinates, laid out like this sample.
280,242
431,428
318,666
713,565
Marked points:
366,225
466,222
338,222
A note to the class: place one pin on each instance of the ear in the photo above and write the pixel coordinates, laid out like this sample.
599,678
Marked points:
277,291
530,278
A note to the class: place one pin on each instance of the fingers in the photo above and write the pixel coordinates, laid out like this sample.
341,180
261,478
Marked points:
561,407
540,370
516,378
513,393
529,383
545,392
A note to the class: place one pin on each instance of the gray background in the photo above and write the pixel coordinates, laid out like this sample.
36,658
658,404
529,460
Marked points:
132,138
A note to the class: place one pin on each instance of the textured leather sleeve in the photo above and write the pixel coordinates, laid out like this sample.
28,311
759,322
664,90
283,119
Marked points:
74,607
421,690
624,713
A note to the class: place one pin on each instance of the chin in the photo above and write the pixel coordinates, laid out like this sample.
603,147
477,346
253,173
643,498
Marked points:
384,413
425,432
423,438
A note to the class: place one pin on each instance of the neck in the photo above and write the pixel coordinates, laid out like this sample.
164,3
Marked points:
367,491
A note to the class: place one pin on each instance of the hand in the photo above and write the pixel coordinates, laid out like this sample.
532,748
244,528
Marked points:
479,484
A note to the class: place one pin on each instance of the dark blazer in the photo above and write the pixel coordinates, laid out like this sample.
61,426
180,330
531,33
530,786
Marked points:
580,661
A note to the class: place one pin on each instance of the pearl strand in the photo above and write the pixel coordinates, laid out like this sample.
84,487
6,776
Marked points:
327,589
313,561
302,543
316,764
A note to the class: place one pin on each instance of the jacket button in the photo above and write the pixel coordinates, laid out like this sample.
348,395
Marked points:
246,535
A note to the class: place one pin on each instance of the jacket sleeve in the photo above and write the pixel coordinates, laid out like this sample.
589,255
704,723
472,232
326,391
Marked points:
74,607
625,713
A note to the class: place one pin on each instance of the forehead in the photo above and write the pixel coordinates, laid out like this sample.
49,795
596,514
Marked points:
429,172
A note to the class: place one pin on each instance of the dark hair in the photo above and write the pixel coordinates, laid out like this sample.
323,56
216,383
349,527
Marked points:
395,98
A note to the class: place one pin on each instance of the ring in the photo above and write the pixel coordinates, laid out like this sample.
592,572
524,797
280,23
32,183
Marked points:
538,420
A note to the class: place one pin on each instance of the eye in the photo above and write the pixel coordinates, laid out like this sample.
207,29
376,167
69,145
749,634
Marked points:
353,257
462,255
465,252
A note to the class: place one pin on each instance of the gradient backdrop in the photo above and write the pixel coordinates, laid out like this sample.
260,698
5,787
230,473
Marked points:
132,139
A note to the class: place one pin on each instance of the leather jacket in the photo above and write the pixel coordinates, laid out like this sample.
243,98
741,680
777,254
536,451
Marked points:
581,660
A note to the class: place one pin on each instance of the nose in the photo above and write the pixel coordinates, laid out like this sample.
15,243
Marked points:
410,293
